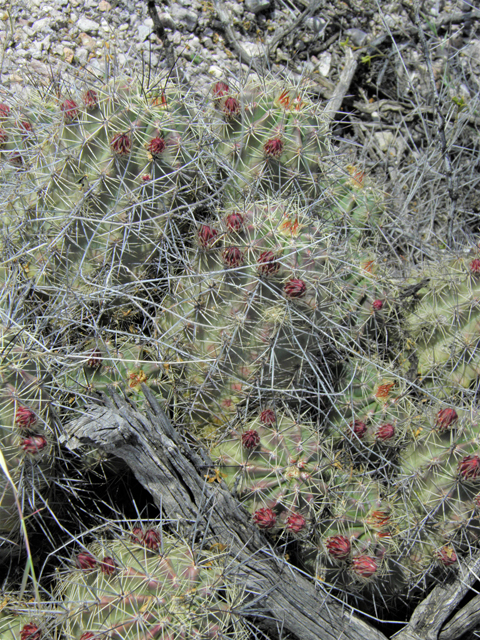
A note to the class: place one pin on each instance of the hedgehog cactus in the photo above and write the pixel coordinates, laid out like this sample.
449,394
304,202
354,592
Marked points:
173,591
275,464
25,432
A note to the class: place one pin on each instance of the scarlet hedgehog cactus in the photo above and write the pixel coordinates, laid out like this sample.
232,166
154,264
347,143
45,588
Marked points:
179,592
279,480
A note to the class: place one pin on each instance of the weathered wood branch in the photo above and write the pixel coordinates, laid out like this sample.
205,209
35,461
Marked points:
174,475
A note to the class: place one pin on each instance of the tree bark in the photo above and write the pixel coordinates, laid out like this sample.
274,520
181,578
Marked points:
180,481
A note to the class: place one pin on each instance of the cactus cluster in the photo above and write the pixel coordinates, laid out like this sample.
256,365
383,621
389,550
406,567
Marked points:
216,249
147,584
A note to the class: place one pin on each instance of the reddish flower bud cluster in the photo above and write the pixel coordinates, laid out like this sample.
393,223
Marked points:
469,467
273,148
250,439
25,127
232,257
264,518
4,110
377,305
295,288
385,432
30,631
445,418
338,547
86,562
156,146
268,416
151,539
230,107
296,522
94,359
108,566
234,221
268,264
24,417
90,99
88,635
3,137
33,444
70,111
121,144
446,555
207,235
475,265
364,566
359,428
146,177
220,89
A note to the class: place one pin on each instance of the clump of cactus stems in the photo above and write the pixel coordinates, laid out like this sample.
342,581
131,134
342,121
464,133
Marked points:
147,583
275,464
27,442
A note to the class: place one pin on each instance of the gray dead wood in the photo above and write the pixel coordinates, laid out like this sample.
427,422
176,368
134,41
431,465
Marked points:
174,475
429,617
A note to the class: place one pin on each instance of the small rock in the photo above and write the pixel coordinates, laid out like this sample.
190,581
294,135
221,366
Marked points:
41,25
324,63
255,6
357,37
68,55
88,26
184,18
144,32
315,24
88,42
82,55
215,71
103,5
253,49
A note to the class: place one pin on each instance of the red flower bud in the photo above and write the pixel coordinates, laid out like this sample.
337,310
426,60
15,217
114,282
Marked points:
88,635
207,235
385,432
377,305
121,144
25,127
264,518
338,547
296,522
445,418
4,110
146,177
108,566
70,111
234,221
34,444
3,137
85,561
273,148
359,428
446,555
137,535
30,631
232,257
151,539
295,288
364,566
90,99
469,467
24,417
268,416
475,265
250,439
220,89
94,359
231,107
268,264
156,146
